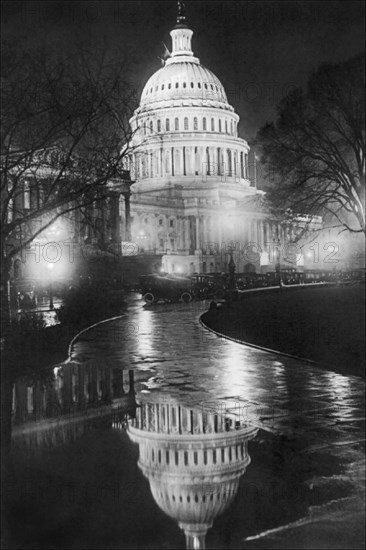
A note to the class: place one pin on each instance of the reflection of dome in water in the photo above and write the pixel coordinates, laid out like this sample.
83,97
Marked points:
193,460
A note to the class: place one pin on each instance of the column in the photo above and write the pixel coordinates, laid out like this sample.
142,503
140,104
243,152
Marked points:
186,234
198,244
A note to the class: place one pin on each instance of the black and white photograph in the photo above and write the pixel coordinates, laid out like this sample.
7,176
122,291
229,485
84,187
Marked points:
183,274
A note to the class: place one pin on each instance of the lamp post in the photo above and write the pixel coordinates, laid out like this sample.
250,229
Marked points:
277,258
232,267
51,266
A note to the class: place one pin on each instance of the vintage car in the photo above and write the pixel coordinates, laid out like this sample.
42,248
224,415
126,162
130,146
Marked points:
175,288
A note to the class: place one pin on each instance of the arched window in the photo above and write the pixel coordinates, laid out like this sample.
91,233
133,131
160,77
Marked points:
159,125
167,125
184,85
204,125
225,126
195,123
176,124
212,124
177,84
232,128
151,126
192,84
186,123
219,124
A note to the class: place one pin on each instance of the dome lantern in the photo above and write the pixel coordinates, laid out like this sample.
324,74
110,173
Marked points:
181,34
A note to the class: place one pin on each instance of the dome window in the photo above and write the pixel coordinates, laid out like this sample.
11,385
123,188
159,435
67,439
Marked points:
192,84
162,87
186,123
167,125
151,126
204,124
195,123
176,124
184,85
169,86
177,84
220,129
212,87
205,86
159,125
212,124
225,126
199,84
151,90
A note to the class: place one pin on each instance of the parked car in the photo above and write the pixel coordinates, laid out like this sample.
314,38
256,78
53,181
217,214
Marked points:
174,288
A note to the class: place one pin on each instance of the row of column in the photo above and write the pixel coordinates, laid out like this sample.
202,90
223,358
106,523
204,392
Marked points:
189,161
175,419
197,232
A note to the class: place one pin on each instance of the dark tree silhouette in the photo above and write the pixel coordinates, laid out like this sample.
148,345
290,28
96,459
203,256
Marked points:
64,134
314,154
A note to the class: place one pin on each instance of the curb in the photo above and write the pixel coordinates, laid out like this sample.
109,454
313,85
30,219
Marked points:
261,348
88,328
269,350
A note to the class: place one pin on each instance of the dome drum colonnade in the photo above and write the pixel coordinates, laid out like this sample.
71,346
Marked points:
188,162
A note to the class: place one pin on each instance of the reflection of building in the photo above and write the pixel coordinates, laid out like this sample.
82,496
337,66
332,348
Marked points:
58,406
193,459
193,190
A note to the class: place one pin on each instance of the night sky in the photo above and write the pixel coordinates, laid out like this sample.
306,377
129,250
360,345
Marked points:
259,50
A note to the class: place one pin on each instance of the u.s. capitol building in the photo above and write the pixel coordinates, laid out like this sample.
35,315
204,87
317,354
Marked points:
193,197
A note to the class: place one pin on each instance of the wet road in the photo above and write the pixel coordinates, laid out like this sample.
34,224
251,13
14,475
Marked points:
304,487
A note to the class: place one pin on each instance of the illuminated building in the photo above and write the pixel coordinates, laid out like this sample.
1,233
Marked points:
193,198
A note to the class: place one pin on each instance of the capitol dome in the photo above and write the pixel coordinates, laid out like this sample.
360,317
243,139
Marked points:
183,81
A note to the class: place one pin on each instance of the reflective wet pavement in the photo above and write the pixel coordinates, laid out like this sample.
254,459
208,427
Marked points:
74,480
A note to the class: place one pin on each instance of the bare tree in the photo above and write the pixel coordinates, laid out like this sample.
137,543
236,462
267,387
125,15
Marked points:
314,154
65,131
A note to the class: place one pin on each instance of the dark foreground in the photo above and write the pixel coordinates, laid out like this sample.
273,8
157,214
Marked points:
74,479
325,325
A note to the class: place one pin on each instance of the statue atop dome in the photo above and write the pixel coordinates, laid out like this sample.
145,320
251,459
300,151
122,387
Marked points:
181,18
181,9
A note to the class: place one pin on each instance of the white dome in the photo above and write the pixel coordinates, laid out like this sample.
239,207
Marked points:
183,80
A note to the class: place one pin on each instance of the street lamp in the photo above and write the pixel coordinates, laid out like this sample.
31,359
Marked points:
277,258
232,279
51,266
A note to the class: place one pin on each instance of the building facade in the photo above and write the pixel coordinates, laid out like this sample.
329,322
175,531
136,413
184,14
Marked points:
193,200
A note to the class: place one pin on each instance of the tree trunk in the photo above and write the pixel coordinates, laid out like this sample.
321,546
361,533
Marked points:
5,295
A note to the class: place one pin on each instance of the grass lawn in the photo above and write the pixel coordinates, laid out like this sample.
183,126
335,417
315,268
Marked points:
324,324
